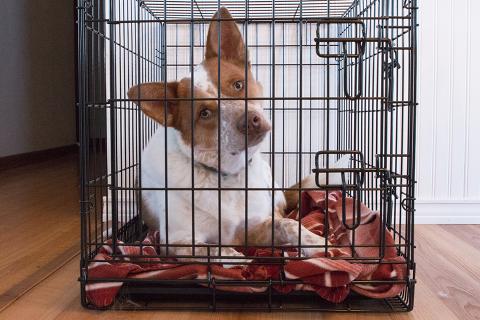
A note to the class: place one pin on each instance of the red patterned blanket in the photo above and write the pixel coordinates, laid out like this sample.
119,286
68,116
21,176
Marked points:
327,274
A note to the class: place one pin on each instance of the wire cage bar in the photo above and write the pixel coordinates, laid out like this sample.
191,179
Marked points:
339,79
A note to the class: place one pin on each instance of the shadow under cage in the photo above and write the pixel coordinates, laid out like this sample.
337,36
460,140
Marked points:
339,90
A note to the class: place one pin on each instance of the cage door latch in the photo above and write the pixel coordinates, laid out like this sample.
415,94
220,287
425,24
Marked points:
349,33
352,178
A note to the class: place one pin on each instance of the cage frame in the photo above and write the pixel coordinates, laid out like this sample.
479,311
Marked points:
92,19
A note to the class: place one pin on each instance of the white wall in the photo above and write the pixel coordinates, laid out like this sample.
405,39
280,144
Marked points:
448,166
37,90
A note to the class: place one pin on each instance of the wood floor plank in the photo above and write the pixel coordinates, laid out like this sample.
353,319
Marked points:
40,223
461,246
48,299
446,268
454,249
470,234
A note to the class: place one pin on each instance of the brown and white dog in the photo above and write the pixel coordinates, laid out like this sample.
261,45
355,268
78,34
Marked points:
173,168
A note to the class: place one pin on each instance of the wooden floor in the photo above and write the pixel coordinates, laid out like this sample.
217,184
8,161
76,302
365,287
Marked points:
39,235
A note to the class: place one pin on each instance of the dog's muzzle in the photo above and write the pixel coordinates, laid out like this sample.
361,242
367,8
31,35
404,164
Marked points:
255,126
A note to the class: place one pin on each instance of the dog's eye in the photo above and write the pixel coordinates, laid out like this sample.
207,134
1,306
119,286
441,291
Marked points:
238,85
205,114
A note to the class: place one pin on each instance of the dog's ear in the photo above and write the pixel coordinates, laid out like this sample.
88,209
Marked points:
231,45
161,95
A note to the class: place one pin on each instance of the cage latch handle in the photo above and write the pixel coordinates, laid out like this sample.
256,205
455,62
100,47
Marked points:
359,62
359,82
358,173
360,43
356,205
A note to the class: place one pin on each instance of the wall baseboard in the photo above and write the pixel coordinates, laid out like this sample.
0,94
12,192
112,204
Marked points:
18,160
447,212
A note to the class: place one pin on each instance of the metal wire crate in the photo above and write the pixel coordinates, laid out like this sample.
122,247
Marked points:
339,77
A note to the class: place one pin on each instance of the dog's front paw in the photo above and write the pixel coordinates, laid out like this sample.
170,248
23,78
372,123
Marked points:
232,262
313,252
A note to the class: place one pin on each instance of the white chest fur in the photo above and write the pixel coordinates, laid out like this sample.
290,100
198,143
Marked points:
213,212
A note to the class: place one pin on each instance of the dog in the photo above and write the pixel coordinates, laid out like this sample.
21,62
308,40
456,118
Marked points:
185,217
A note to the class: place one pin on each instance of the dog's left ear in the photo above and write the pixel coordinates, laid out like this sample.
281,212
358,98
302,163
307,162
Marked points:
162,107
231,45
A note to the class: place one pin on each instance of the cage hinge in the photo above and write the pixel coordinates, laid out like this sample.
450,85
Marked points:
387,184
86,205
413,267
83,275
391,63
213,286
269,292
408,4
86,5
407,204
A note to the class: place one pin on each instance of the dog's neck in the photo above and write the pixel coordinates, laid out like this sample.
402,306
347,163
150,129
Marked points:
216,171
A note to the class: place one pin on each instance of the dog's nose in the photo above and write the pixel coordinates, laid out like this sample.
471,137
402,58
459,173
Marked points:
254,123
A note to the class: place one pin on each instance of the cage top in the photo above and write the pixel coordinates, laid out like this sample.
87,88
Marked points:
251,9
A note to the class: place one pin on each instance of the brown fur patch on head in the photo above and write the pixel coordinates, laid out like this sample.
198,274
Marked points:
205,129
231,46
166,110
233,63
230,73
